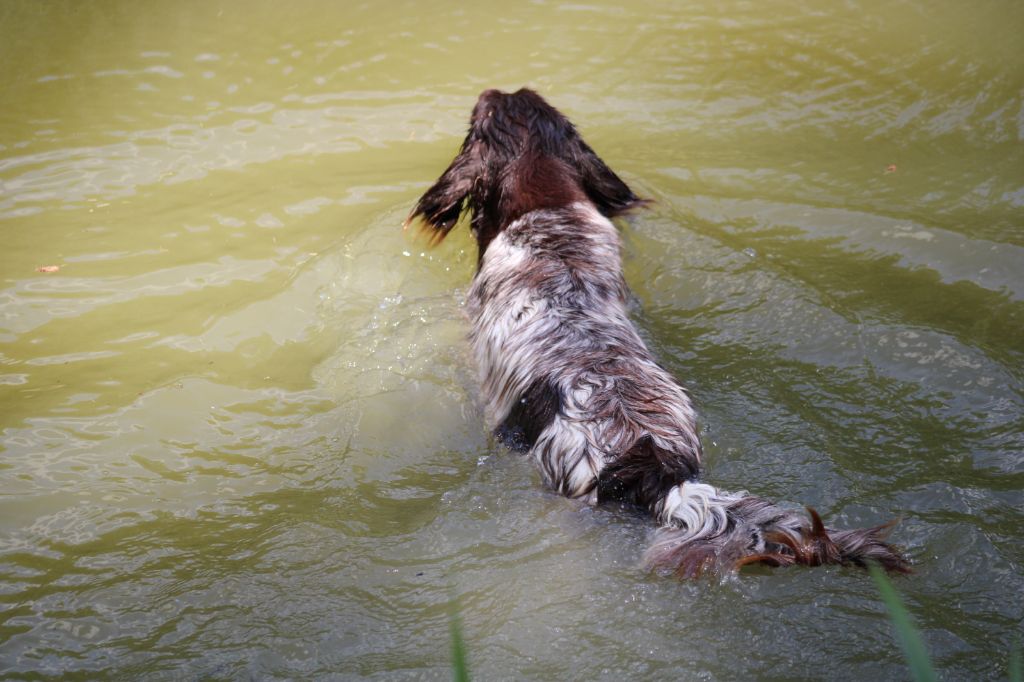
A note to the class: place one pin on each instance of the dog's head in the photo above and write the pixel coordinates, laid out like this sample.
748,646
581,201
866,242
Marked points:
520,155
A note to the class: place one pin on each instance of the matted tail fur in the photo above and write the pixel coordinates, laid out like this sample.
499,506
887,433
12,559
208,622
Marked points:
707,530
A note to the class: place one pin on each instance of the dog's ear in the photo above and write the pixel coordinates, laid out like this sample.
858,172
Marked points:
609,193
441,205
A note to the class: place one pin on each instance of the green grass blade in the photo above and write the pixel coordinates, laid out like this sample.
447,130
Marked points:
460,669
910,639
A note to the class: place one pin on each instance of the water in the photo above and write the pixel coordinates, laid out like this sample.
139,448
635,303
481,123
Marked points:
240,432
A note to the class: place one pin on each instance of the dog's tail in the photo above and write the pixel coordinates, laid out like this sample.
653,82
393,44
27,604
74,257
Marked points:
706,530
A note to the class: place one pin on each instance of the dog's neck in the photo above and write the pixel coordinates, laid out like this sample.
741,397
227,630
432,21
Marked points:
534,182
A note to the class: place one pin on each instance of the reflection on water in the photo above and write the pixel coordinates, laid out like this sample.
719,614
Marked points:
239,433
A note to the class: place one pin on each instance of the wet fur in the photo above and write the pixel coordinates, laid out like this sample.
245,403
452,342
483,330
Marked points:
565,376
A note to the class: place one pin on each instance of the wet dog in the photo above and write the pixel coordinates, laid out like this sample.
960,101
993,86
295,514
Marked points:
565,376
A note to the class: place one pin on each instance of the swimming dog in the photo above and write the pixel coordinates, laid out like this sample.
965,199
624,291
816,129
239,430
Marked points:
565,376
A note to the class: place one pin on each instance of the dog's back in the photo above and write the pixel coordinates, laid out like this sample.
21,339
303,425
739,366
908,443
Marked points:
564,373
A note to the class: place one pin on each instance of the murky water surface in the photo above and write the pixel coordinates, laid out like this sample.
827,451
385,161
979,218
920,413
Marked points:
240,432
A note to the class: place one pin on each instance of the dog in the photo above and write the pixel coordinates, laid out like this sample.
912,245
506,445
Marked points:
566,377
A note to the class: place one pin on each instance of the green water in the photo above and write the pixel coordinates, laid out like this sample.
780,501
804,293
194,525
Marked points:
239,430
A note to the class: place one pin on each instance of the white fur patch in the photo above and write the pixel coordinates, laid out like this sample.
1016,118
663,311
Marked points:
503,255
697,507
567,457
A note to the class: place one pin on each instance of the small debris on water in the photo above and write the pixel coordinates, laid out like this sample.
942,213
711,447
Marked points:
48,268
750,252
891,168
